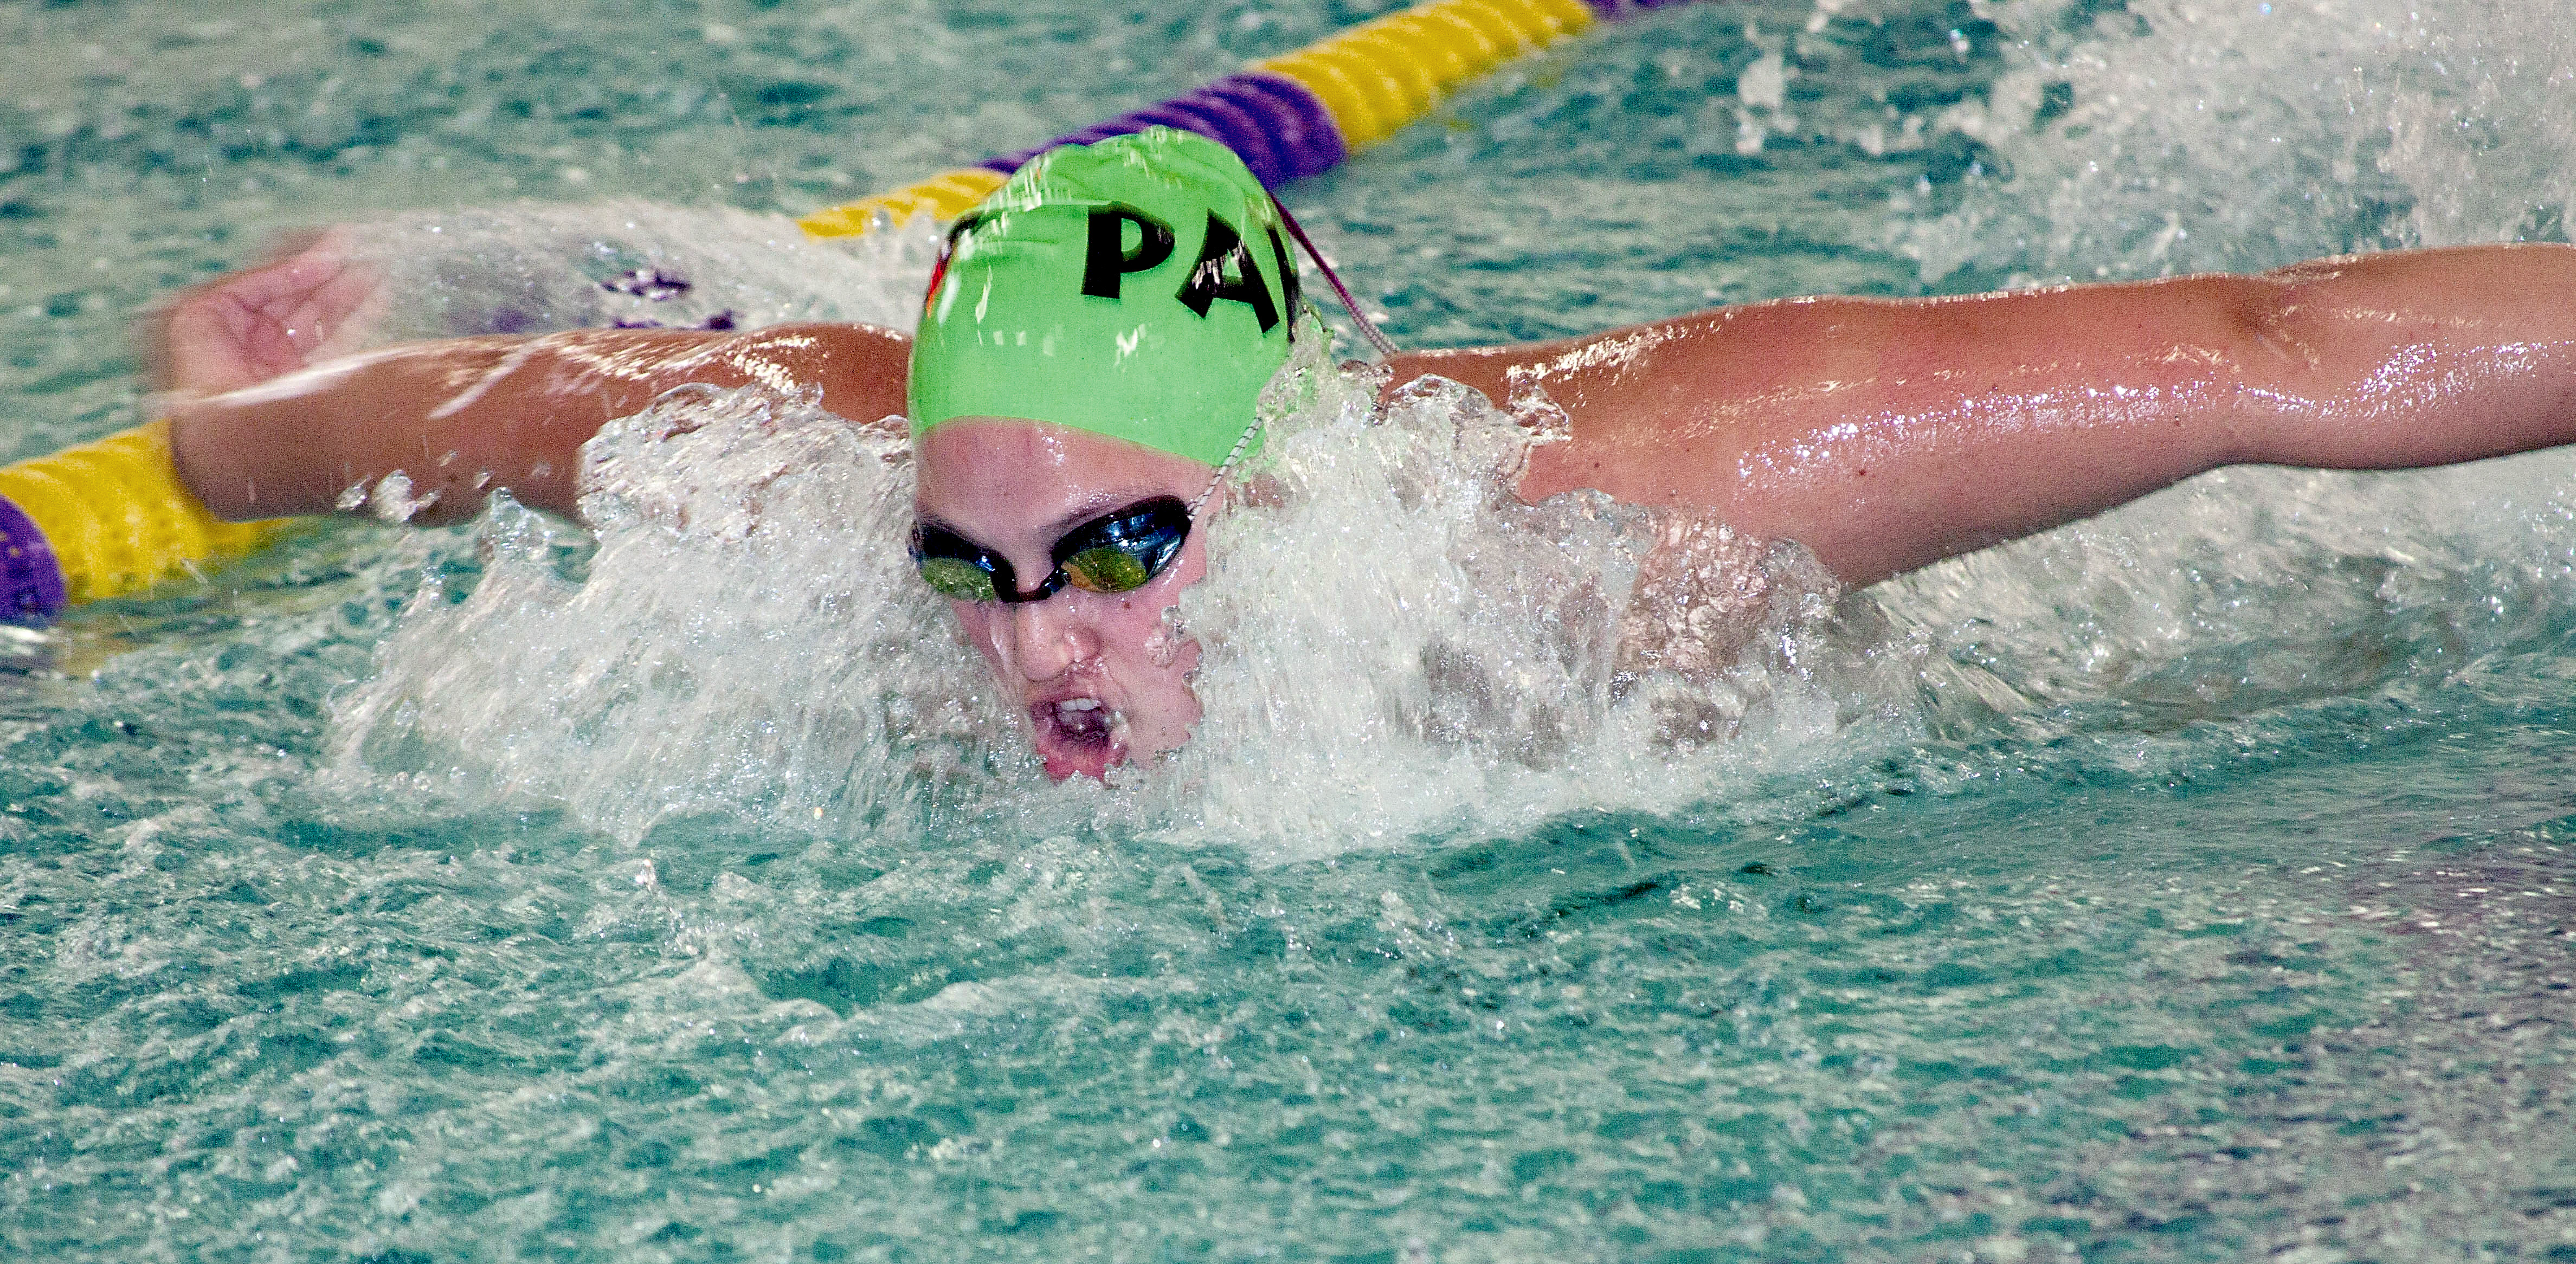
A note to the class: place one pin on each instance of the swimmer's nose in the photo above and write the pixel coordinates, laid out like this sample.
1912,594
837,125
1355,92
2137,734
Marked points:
1048,637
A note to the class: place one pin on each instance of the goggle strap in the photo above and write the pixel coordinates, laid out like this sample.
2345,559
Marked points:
1217,479
1368,329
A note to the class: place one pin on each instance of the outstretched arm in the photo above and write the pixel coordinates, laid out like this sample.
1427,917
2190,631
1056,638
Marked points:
1887,435
265,423
461,417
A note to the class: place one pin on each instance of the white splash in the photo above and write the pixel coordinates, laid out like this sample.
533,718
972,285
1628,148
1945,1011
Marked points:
1394,644
2170,136
1391,642
1393,647
392,502
389,498
744,641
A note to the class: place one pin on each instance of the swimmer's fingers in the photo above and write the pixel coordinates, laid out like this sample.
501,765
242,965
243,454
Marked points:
315,301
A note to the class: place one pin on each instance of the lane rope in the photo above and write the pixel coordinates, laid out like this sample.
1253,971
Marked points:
112,518
1298,114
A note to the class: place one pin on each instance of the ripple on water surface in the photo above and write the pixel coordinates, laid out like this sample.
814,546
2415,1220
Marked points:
2186,885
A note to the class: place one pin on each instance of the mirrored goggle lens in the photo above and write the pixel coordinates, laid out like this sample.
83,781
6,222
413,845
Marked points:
956,577
1112,568
1124,551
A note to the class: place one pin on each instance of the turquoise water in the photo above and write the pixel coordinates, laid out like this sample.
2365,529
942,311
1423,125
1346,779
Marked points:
2189,884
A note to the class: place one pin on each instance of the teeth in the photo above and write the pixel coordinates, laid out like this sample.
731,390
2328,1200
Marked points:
1085,719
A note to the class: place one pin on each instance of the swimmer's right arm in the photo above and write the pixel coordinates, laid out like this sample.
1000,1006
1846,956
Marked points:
270,419
460,417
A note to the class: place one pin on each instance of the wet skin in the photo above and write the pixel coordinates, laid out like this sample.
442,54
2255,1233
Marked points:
1097,676
1885,435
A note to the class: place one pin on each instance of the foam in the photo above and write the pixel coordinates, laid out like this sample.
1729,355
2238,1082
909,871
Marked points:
1393,648
2171,136
739,641
1392,644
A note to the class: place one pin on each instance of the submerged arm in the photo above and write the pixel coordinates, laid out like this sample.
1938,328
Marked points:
462,416
1887,435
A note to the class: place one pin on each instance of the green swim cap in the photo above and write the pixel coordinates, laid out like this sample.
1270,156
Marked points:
1139,287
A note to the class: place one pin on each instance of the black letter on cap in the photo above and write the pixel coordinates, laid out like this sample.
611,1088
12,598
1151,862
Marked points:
1287,280
1107,259
1207,281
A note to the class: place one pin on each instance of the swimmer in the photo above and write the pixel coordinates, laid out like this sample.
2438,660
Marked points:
1093,344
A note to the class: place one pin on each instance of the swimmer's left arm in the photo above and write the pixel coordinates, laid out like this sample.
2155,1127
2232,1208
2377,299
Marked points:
1887,435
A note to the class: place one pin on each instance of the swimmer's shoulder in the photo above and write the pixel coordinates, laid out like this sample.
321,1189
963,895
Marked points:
859,368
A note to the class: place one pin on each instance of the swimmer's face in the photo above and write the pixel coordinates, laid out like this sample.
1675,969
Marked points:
1096,676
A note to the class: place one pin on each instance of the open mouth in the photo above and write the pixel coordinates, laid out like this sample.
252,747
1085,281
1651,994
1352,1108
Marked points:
1078,736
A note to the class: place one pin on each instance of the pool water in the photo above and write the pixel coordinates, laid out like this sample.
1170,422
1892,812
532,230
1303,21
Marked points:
2193,883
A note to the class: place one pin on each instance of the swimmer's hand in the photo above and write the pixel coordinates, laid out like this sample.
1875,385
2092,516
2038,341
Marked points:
314,301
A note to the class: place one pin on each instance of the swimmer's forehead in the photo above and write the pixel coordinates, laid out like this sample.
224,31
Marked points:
969,437
1036,474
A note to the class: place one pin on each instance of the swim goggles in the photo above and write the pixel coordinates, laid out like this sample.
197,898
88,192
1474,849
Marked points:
1119,551
1124,549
